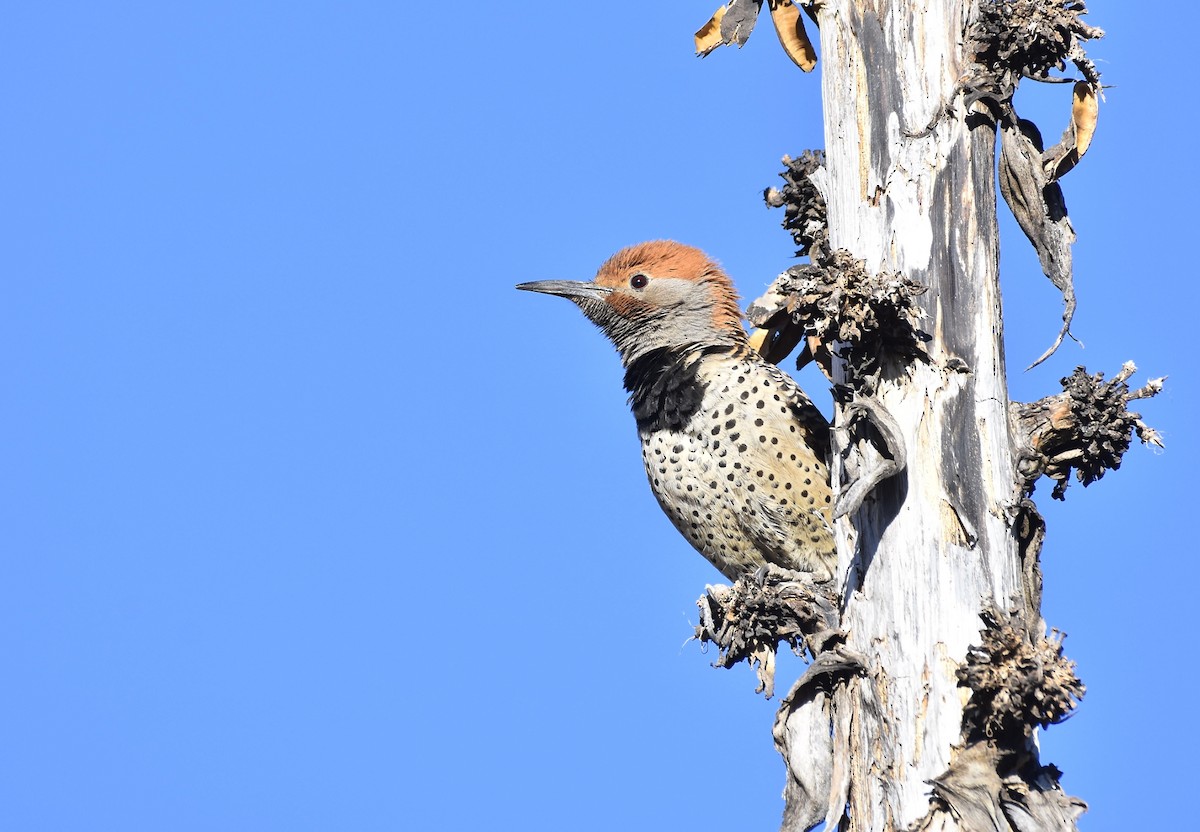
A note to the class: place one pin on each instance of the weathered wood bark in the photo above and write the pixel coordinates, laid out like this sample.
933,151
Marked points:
931,666
931,549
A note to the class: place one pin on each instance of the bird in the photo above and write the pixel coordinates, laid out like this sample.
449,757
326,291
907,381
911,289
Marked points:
735,452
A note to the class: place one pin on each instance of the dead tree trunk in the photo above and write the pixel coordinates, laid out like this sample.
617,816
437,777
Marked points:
932,668
933,548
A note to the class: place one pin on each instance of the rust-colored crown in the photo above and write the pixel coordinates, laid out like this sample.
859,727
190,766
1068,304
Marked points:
667,258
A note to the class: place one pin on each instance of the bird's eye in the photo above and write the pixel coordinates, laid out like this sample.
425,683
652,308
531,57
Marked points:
639,281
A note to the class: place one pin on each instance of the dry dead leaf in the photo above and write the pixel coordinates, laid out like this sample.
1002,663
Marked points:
1084,111
759,339
1059,160
789,26
708,37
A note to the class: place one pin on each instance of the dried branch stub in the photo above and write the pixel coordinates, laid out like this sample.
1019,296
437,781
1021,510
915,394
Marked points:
838,308
991,788
748,621
1040,209
1018,680
865,318
1088,428
803,204
1014,39
1028,38
833,300
805,218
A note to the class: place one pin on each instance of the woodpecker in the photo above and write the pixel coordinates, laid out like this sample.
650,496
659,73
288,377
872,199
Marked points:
736,453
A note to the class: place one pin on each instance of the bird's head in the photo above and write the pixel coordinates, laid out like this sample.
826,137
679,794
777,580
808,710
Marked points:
655,295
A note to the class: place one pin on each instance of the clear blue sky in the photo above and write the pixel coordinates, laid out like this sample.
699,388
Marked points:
309,521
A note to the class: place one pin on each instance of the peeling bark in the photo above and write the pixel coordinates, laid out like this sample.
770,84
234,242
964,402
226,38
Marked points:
1006,42
988,790
805,736
1040,209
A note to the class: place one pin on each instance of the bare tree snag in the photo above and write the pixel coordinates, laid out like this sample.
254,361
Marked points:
927,551
931,668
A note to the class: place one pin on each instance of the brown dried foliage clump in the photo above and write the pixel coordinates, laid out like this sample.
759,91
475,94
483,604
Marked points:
869,316
803,205
1105,424
748,621
1030,37
1088,428
1016,683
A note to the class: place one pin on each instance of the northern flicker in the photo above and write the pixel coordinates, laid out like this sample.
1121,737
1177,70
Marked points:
734,450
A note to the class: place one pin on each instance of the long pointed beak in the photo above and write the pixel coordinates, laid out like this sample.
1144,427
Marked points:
573,289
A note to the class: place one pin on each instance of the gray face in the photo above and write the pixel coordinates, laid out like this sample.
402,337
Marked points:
645,312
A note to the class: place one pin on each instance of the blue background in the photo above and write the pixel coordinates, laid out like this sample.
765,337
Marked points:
310,521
